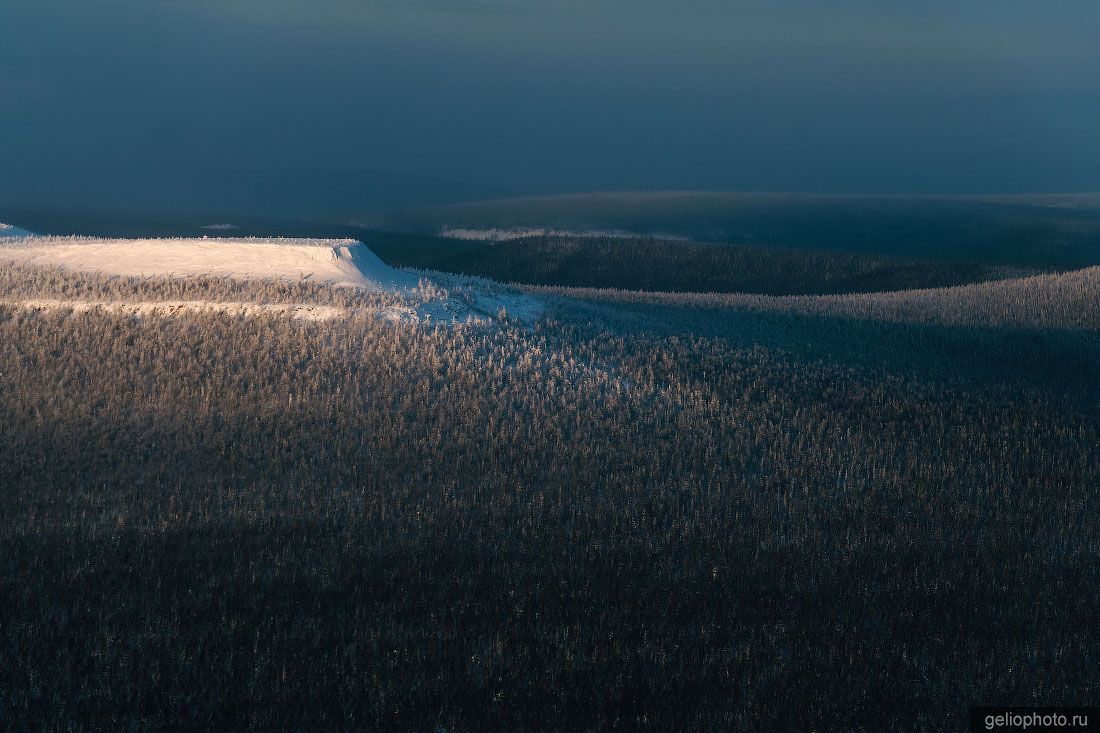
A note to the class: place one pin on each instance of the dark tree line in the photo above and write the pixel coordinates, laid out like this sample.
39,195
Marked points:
680,266
1069,300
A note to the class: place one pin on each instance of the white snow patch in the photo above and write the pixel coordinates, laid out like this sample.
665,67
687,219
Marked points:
336,262
7,231
482,298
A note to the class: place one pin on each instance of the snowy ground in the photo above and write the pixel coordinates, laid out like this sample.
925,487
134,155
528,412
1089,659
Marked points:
7,231
336,262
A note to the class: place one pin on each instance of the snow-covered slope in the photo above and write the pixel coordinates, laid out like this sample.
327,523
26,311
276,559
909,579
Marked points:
335,262
7,231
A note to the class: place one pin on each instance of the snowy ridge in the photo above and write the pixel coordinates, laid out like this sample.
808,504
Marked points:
434,297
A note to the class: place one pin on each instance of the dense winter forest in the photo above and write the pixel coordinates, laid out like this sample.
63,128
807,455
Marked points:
628,514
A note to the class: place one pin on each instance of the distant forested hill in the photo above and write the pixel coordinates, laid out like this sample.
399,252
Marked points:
679,266
1039,231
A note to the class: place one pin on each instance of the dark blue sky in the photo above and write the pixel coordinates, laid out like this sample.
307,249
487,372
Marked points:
337,107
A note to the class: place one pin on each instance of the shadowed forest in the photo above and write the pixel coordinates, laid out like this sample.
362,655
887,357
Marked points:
625,515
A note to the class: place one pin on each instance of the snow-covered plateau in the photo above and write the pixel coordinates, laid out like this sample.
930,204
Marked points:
343,263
